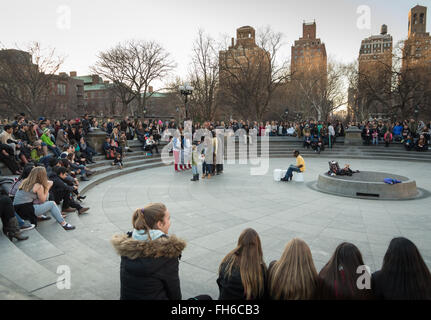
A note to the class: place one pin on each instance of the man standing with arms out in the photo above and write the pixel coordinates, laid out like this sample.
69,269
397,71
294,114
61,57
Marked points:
300,166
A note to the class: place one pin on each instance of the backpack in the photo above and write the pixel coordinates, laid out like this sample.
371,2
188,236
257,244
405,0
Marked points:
6,185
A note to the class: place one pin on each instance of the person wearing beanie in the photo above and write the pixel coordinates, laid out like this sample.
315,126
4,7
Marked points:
46,138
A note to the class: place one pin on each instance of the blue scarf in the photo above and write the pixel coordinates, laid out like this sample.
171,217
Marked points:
141,235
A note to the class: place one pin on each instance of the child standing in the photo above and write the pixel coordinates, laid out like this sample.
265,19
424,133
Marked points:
375,136
195,161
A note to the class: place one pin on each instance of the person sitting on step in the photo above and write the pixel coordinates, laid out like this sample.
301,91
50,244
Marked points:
409,143
150,145
118,160
33,194
60,191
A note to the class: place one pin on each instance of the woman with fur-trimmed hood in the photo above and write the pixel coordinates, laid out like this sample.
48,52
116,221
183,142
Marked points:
149,257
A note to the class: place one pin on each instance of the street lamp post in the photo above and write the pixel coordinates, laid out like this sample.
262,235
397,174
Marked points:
416,112
286,114
186,90
178,114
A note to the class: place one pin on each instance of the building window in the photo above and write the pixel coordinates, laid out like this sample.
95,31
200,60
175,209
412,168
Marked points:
421,19
61,89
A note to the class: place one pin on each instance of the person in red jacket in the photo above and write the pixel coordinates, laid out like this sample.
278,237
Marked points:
388,138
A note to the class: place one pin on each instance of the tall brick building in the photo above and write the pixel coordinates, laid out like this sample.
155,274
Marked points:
309,52
309,69
417,47
375,70
244,74
240,53
416,63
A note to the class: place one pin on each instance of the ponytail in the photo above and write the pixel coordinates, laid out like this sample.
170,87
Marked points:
147,218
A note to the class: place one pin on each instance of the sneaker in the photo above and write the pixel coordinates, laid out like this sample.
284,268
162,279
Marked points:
27,226
68,227
44,218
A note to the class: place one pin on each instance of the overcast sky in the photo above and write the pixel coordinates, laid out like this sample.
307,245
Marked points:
98,25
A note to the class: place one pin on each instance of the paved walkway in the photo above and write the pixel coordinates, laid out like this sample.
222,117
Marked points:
211,214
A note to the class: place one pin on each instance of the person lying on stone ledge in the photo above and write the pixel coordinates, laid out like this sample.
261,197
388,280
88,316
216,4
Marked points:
334,170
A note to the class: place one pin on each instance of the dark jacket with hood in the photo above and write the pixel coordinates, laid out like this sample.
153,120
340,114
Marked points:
59,188
149,269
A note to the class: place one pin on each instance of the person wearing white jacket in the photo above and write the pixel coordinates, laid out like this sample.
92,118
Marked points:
187,153
331,135
176,146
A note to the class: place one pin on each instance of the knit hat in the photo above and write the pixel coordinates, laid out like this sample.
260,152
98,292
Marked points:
46,131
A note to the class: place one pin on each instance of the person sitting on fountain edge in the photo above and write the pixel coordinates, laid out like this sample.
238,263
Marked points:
299,167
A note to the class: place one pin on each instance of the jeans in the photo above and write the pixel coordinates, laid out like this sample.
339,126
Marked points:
376,140
195,170
20,221
204,168
209,168
289,173
48,206
45,160
55,150
77,167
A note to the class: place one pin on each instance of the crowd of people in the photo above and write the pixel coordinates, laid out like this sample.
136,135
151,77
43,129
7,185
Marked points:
49,159
150,268
414,135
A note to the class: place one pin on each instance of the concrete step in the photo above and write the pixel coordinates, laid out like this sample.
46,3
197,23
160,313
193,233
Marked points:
11,291
37,247
22,270
127,164
84,261
87,185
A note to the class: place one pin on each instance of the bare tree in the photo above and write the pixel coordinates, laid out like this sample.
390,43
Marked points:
249,77
204,76
134,66
27,77
323,90
112,66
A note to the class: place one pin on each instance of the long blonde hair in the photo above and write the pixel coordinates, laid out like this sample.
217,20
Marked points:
294,276
37,175
248,257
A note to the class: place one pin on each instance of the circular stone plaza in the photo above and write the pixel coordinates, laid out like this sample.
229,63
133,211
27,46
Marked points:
210,215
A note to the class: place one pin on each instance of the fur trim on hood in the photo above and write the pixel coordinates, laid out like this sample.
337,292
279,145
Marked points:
167,247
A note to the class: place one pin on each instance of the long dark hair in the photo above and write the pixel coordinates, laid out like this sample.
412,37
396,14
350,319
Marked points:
405,274
338,278
248,258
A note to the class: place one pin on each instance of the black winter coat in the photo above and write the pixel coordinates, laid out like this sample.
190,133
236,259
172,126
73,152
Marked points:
59,188
231,288
149,269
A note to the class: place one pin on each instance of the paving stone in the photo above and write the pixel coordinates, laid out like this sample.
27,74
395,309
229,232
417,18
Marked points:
210,215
